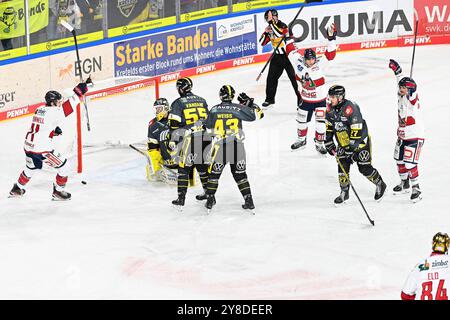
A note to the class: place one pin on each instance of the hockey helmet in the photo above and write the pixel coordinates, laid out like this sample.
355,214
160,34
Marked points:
274,14
51,97
441,242
309,54
409,84
227,93
184,85
337,91
162,108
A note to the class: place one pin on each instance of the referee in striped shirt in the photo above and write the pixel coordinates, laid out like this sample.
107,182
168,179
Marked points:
274,33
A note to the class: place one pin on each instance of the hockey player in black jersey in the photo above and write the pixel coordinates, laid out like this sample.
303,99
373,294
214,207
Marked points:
345,122
187,116
162,165
225,124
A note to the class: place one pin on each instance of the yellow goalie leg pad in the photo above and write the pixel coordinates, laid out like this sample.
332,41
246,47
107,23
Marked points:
154,164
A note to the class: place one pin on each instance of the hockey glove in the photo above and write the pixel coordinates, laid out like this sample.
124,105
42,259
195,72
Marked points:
348,153
331,32
81,89
331,148
245,100
57,131
395,67
89,80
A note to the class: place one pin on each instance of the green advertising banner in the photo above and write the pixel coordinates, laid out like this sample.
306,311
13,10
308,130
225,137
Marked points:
12,17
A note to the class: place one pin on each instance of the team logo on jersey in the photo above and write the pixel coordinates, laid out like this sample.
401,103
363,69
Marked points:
191,158
218,167
307,82
240,165
425,266
348,111
364,156
126,7
339,126
440,264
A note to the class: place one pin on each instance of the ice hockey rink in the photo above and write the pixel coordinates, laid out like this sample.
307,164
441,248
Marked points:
120,238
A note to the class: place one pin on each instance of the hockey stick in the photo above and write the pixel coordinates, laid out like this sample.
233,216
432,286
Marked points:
138,150
72,30
353,188
414,49
276,48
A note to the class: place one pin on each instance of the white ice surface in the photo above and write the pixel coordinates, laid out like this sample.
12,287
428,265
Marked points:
119,238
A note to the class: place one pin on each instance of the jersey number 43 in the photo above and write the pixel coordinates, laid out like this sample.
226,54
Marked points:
225,127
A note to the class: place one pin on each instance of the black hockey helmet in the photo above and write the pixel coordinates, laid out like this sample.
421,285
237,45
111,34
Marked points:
309,54
441,242
52,97
338,91
226,93
274,14
409,83
184,85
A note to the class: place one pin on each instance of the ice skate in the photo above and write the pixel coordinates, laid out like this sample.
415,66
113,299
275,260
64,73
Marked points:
60,195
298,145
201,197
380,191
267,105
342,198
320,147
402,188
249,205
179,203
416,194
210,202
16,191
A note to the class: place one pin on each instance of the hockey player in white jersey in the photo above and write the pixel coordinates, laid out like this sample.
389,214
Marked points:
39,144
410,134
430,278
310,72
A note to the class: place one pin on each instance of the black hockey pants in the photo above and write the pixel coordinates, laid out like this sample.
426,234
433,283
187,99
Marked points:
192,155
363,158
279,63
234,153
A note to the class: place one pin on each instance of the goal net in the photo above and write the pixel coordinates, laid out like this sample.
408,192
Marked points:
118,112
